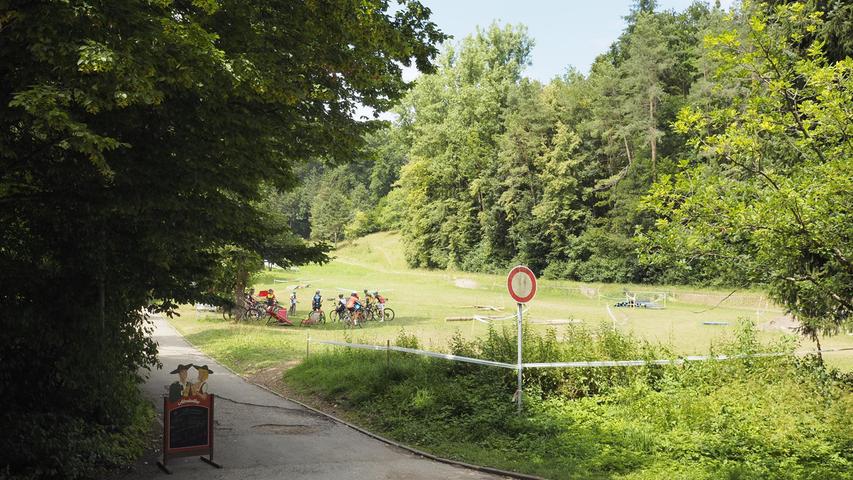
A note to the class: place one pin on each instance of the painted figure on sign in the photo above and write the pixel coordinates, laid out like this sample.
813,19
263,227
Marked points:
182,387
200,386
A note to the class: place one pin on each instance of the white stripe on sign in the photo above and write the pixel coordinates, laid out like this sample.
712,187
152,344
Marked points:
577,364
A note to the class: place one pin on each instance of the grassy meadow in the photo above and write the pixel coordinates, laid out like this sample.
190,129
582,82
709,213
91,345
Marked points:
423,299
756,418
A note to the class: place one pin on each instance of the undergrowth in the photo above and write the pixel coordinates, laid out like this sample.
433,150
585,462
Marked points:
775,417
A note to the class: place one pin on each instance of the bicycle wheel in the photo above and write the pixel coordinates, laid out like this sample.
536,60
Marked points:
255,313
226,313
389,314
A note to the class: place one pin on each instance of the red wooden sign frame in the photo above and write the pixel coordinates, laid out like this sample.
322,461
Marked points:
521,270
206,449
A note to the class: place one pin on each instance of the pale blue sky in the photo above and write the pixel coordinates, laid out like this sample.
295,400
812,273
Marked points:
568,32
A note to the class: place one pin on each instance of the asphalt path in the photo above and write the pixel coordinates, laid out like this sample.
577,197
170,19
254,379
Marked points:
259,435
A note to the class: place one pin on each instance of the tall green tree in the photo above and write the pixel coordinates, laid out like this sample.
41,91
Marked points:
134,137
773,202
455,119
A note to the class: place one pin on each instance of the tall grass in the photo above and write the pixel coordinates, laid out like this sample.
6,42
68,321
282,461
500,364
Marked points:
775,417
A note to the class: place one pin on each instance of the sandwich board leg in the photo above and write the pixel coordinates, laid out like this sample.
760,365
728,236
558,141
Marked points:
163,467
210,461
162,464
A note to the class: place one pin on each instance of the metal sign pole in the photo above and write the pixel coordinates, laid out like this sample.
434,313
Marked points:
521,283
519,359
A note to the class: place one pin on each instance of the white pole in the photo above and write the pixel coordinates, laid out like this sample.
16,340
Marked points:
518,392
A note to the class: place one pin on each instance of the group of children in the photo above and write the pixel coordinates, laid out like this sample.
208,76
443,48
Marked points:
353,303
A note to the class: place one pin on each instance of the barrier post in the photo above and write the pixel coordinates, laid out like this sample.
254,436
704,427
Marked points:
387,353
308,345
518,392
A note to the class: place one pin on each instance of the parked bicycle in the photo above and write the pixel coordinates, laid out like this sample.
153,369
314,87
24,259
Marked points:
248,312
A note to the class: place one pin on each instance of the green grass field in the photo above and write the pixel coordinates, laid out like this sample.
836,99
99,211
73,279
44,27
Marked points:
767,418
424,298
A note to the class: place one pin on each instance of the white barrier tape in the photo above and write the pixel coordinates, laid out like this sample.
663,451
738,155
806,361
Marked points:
578,364
448,356
640,363
445,356
824,350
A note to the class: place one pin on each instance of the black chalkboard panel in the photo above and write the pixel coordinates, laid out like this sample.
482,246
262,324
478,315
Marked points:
188,427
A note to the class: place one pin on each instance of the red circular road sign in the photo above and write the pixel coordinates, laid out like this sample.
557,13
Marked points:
521,283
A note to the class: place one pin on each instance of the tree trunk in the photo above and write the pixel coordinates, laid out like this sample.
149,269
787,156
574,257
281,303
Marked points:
240,288
652,138
819,350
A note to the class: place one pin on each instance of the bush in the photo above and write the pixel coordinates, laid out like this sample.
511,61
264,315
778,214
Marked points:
363,223
71,404
54,444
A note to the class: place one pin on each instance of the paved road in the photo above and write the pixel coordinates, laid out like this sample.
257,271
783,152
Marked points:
267,437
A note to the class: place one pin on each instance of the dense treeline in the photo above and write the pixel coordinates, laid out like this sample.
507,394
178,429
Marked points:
586,177
500,169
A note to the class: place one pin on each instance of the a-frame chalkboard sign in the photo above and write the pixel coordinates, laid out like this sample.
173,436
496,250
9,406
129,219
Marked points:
187,421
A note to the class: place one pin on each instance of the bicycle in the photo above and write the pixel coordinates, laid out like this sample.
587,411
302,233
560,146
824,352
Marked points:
337,314
237,313
389,314
352,319
371,311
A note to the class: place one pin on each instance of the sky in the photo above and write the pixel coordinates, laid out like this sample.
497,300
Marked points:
566,33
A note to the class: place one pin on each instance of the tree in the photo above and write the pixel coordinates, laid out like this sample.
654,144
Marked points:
332,207
773,203
649,57
134,138
451,180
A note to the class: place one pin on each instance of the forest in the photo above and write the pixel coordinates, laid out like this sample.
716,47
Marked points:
698,139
